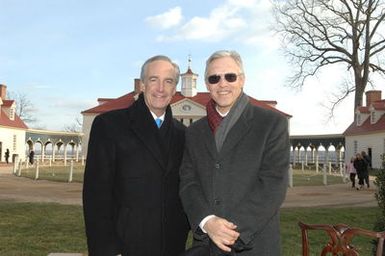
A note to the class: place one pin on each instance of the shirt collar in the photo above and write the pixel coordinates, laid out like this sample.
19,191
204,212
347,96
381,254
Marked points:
222,115
160,117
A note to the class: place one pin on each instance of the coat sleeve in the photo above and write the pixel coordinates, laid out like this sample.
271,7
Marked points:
265,199
191,193
97,192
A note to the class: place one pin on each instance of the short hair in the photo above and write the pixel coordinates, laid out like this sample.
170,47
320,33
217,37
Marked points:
225,53
143,71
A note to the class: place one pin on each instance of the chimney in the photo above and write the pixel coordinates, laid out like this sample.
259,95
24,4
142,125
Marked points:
3,91
372,96
137,84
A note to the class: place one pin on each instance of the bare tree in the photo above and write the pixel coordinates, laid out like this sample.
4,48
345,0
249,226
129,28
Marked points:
318,33
76,126
24,106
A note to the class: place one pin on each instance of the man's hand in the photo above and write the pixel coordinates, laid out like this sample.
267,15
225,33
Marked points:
221,232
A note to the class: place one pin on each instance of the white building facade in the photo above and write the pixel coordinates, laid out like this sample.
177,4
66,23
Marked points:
12,128
367,132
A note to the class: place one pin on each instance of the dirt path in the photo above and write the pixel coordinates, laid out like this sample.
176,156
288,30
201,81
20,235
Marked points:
27,190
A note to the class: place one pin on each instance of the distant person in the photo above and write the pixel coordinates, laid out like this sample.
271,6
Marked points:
131,180
31,156
361,166
6,155
368,160
366,157
351,171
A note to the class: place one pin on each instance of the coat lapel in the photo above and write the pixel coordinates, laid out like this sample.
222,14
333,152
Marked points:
144,127
147,135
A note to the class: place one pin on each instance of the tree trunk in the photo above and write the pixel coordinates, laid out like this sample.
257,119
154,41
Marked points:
360,85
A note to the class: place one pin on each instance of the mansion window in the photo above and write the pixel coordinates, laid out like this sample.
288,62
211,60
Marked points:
12,114
14,143
373,117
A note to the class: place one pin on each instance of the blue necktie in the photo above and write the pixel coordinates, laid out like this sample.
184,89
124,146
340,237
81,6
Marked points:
158,122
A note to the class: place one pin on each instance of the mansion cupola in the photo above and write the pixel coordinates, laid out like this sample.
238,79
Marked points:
189,82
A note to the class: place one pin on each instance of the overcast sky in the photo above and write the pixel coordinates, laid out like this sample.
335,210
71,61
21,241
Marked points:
64,54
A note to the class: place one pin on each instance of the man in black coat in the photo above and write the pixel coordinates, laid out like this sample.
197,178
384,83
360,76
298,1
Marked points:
130,193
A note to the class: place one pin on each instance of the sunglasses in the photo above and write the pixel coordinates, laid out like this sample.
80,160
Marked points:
229,77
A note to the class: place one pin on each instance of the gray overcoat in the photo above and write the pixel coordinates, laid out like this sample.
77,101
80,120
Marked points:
245,182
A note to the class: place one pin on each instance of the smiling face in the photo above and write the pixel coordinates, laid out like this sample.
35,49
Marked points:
224,93
159,85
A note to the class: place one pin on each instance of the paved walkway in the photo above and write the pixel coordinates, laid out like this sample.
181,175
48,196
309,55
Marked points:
28,190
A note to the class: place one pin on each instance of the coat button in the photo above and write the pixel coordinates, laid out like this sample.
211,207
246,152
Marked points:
217,201
217,166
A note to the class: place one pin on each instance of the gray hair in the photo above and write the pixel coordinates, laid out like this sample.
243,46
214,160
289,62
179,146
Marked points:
143,71
225,53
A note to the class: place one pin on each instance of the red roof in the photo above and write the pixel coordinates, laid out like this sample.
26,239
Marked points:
118,103
366,127
189,71
363,109
379,105
201,98
7,103
17,123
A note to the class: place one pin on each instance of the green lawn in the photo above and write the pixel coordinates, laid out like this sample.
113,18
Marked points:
355,217
55,173
61,173
40,228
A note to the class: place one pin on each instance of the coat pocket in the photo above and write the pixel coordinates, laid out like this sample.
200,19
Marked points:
129,228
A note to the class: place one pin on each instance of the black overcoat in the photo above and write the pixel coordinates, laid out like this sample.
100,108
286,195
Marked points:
130,194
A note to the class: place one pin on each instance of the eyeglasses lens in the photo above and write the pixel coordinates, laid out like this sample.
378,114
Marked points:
229,77
213,79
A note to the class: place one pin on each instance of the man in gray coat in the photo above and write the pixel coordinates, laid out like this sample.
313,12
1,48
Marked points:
235,167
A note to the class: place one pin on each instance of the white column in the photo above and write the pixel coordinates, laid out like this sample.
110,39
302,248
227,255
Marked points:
325,181
65,155
290,176
71,171
42,152
37,170
77,153
53,152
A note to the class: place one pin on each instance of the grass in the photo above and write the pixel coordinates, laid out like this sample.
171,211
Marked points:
40,228
61,174
354,217
55,173
312,178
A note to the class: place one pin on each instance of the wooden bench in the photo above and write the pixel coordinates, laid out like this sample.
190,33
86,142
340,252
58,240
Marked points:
341,236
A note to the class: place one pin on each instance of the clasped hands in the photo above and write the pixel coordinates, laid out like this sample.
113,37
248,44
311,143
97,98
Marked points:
222,232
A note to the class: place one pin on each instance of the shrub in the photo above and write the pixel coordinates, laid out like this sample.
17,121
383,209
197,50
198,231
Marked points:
379,224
